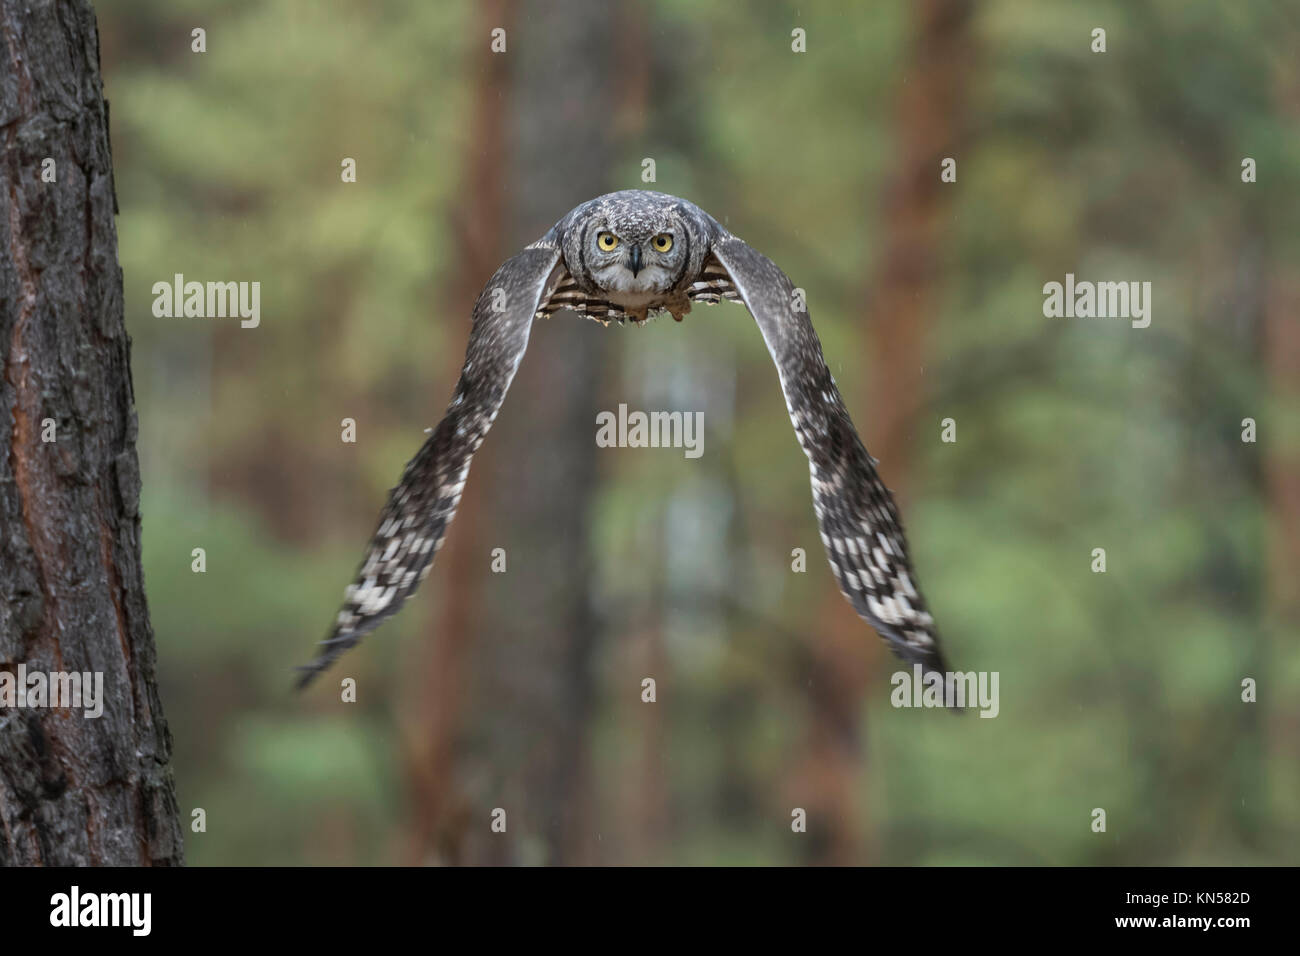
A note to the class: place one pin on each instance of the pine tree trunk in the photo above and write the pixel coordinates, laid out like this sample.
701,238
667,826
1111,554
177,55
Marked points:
74,790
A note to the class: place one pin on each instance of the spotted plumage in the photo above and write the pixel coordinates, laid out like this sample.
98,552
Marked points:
625,257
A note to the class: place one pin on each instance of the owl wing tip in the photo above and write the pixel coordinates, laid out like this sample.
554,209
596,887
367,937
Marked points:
935,662
307,673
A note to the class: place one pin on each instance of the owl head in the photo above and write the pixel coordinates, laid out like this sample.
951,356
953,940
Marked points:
628,256
634,242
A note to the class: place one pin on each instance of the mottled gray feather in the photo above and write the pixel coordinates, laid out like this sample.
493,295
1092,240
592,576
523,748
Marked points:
860,526
414,522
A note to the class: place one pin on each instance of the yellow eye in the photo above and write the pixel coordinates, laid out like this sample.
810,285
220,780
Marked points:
607,241
662,242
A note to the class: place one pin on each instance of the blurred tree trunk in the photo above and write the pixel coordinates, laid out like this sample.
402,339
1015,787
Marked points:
537,631
73,790
516,648
1282,475
901,298
644,827
1282,466
439,811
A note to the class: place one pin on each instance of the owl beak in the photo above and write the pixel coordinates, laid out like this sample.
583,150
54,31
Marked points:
634,260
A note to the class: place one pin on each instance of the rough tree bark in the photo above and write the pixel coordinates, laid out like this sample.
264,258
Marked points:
74,790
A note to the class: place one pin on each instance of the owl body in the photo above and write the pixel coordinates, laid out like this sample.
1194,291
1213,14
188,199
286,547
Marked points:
626,256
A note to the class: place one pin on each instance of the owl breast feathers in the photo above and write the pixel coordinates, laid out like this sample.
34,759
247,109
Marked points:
624,257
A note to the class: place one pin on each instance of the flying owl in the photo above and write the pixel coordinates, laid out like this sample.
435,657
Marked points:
624,257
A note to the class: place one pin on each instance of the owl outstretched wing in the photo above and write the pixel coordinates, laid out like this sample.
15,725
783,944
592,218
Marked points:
859,521
414,522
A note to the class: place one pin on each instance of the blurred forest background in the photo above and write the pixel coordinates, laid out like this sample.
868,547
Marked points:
522,690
